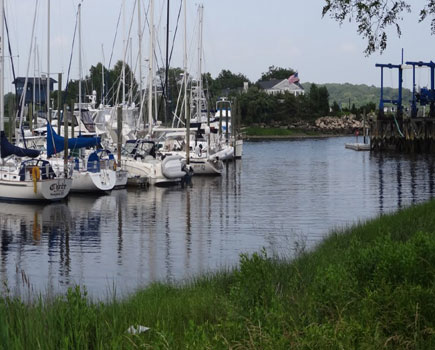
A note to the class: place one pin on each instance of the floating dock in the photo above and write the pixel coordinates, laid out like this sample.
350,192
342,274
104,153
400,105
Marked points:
358,146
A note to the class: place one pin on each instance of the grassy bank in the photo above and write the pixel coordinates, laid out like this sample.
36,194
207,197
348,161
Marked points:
257,132
371,287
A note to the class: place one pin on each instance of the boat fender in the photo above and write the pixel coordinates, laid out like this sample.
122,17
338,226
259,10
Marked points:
35,176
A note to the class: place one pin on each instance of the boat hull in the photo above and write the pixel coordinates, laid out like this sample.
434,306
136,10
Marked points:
85,181
206,166
227,153
151,170
41,190
121,179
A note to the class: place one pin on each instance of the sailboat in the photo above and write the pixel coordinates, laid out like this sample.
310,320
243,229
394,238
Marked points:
140,156
183,142
30,179
91,173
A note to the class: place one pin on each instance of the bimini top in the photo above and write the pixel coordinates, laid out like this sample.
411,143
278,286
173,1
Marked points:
8,149
55,143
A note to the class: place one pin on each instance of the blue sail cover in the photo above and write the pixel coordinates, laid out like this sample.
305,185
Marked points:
8,149
55,143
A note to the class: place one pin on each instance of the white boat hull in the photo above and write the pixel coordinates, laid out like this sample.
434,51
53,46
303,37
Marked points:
41,190
151,170
121,179
227,153
85,181
204,166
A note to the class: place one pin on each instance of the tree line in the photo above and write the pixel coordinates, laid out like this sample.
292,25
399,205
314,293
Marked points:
255,105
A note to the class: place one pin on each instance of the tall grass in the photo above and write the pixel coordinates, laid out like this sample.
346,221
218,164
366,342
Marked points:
369,287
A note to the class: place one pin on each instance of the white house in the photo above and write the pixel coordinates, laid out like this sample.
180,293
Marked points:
278,86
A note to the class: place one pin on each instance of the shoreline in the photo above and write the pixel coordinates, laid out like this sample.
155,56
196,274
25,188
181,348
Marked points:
291,137
371,281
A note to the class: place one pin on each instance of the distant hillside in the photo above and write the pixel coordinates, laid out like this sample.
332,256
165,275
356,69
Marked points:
359,94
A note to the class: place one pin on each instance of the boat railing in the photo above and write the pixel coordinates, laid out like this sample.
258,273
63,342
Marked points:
102,164
58,170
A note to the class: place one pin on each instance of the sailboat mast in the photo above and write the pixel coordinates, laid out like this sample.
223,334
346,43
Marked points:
103,92
80,66
186,112
199,85
2,68
167,105
139,32
124,51
48,62
34,82
200,56
150,70
130,92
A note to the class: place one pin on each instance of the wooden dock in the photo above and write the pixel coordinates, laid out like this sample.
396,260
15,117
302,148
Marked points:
408,135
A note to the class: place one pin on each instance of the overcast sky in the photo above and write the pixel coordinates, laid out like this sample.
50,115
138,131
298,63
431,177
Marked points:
244,36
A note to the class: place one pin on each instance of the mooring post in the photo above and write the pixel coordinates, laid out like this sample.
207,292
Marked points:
72,119
208,124
119,133
233,124
30,116
65,140
226,124
59,102
364,125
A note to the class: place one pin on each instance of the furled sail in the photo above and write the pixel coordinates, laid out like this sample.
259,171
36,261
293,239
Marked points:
55,142
8,149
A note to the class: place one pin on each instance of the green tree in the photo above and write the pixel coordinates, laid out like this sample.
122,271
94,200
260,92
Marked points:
70,95
335,109
277,73
227,81
318,104
10,104
115,92
322,106
354,110
256,106
375,17
96,80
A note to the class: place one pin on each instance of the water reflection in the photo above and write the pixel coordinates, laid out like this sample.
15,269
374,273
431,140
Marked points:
281,196
28,230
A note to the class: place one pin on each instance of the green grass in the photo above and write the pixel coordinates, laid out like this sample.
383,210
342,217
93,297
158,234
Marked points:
371,286
271,132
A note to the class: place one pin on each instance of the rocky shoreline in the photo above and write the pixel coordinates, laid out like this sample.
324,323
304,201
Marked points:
321,127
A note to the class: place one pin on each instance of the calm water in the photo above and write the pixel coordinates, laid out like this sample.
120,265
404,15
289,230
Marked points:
280,196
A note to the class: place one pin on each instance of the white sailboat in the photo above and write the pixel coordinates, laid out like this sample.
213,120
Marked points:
200,162
93,171
140,154
29,179
90,174
140,161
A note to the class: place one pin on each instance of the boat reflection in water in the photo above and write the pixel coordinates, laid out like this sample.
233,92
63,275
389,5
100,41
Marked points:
28,232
